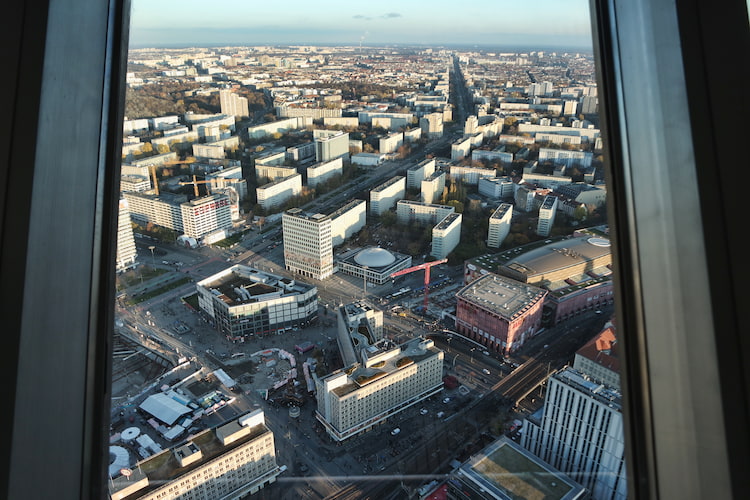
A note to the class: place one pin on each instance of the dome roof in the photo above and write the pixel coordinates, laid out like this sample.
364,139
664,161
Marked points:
374,257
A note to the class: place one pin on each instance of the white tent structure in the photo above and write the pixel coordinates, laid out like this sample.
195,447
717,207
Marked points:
164,408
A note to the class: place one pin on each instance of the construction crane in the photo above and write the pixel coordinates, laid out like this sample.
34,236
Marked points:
152,169
218,182
426,266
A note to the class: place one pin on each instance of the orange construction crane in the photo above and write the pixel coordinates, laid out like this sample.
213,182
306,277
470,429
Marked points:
216,182
152,168
426,266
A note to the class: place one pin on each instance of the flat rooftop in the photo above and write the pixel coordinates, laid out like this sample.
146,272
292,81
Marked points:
385,358
253,285
447,221
560,254
500,212
164,467
506,471
503,296
388,183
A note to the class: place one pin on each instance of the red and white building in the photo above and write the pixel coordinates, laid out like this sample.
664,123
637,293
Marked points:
499,313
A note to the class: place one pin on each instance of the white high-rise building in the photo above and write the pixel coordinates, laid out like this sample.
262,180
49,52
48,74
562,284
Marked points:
422,213
232,104
446,235
419,172
308,246
126,251
496,187
320,172
499,225
579,431
431,125
391,142
348,220
330,144
384,196
390,379
205,215
547,213
432,187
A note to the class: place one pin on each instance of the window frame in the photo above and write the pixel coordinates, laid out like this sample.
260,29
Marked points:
661,68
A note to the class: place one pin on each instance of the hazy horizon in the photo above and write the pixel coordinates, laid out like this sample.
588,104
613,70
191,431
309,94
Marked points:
557,24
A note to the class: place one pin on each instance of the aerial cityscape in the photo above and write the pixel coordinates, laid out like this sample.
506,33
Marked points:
364,270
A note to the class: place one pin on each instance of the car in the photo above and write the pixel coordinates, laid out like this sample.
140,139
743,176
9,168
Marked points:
440,414
395,431
486,353
485,371
447,400
423,411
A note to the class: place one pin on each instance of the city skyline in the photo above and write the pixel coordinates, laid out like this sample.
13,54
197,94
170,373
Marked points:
555,24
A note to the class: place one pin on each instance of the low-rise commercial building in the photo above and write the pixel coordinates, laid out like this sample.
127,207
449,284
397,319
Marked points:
243,301
373,264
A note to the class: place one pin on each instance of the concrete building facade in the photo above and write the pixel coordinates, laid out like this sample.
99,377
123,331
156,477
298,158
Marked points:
422,213
233,460
206,214
385,196
547,213
275,193
126,251
320,172
347,221
308,246
390,379
419,172
242,301
499,227
432,187
330,144
446,235
579,430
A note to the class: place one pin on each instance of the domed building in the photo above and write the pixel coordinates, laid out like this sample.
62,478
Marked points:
376,263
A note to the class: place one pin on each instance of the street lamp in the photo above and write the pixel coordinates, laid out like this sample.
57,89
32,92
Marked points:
153,262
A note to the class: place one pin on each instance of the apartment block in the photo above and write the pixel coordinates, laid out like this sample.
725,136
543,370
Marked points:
419,172
499,226
547,213
275,193
446,236
126,251
422,213
384,196
496,187
432,187
321,172
347,221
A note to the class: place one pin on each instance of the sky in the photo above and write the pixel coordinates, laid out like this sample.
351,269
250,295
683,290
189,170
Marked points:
542,23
